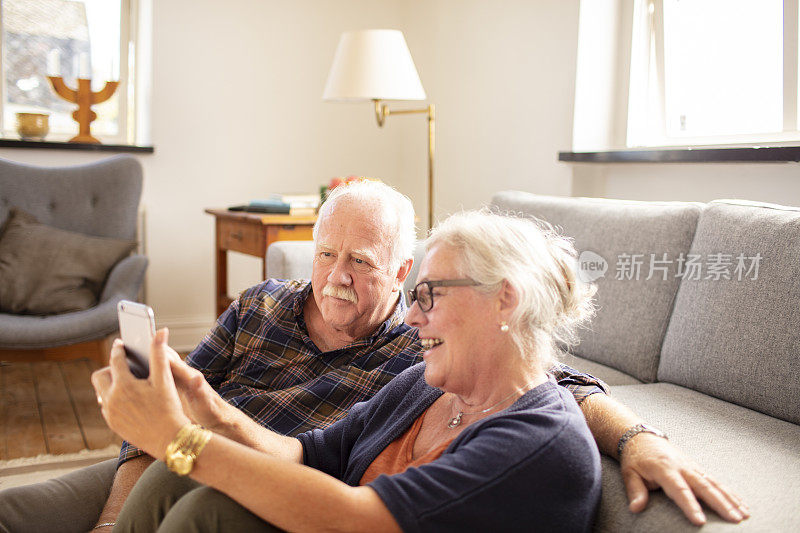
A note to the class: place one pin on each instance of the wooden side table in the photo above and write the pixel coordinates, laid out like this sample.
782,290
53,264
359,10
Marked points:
251,234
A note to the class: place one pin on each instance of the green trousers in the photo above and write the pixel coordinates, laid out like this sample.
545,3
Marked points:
165,502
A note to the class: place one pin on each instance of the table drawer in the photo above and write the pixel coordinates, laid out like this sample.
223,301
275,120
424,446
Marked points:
290,233
238,237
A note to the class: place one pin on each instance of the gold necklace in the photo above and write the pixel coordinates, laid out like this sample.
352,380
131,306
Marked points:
456,420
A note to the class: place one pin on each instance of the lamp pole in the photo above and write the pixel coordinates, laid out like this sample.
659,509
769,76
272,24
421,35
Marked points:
382,111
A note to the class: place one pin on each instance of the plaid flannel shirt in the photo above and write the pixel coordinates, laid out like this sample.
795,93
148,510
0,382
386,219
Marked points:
260,359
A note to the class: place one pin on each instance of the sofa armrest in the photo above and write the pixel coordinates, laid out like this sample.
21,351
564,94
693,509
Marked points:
125,278
290,259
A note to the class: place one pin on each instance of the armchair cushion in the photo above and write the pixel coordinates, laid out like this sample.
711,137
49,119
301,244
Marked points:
46,270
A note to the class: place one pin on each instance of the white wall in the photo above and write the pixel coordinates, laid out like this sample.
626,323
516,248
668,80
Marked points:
502,77
765,182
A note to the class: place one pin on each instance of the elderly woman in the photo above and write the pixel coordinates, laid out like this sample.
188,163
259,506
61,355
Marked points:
477,437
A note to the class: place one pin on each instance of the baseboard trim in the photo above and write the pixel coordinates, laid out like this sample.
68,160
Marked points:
185,333
24,465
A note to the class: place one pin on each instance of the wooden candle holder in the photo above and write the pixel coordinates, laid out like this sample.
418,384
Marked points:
85,99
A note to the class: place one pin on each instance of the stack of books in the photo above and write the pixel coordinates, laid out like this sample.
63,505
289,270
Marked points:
282,204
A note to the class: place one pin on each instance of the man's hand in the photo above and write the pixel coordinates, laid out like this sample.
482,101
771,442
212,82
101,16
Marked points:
649,462
126,477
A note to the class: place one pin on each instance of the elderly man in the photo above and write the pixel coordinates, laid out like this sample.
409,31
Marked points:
294,355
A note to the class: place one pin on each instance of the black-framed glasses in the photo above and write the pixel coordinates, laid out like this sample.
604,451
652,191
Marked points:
423,292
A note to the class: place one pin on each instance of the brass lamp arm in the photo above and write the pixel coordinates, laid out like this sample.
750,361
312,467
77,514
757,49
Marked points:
382,111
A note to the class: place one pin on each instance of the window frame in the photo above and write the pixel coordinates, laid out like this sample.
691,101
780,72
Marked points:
647,46
127,90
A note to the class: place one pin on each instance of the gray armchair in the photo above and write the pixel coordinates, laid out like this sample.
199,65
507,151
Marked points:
99,199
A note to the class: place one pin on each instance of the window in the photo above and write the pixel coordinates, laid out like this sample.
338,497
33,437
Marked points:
713,72
90,38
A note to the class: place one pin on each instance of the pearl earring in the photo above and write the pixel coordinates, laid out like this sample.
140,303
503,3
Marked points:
504,326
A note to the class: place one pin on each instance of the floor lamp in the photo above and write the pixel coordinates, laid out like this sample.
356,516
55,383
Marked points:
376,65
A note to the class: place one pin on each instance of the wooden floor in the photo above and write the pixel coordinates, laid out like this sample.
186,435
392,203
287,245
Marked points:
50,407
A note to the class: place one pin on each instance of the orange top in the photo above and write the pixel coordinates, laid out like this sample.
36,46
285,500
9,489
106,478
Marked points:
396,457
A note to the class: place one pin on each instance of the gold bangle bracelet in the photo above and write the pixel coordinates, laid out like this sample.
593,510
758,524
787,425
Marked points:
184,449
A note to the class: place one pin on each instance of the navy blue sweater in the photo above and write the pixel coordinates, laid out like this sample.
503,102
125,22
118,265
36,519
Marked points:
531,467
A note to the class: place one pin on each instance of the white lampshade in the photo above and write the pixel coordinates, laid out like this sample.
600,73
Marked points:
373,65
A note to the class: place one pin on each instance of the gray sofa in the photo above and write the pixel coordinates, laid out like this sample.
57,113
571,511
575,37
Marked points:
710,354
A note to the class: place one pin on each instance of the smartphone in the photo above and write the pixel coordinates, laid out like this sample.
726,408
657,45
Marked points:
137,326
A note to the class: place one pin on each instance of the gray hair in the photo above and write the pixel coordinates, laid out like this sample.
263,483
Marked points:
392,202
537,262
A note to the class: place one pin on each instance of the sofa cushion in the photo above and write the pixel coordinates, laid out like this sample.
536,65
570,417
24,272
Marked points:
633,311
46,270
753,454
739,339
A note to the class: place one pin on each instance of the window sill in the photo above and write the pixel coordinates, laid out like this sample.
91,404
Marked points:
59,145
753,154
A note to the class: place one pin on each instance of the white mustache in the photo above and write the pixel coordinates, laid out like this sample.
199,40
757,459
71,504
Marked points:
343,293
